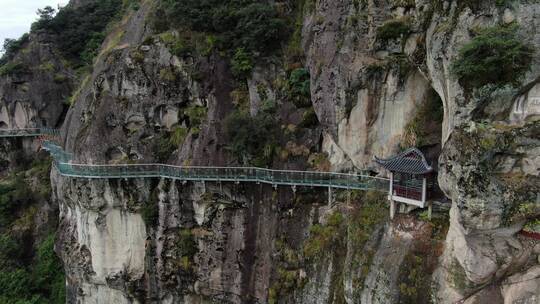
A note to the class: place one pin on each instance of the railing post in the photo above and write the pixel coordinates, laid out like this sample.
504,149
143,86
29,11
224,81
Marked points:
424,190
329,196
391,191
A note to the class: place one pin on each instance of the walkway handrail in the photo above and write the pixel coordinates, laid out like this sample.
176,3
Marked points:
28,132
218,167
62,162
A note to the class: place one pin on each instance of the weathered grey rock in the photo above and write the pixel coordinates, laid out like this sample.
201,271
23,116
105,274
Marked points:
35,97
523,287
527,106
364,114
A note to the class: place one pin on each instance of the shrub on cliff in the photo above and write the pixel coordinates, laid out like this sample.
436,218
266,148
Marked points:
299,88
393,29
13,68
323,237
252,139
241,63
496,55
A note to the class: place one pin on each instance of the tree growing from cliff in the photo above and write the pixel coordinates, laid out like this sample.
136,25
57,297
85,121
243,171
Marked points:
496,55
46,15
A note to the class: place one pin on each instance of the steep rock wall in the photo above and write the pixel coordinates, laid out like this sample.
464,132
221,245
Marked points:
35,94
362,94
342,39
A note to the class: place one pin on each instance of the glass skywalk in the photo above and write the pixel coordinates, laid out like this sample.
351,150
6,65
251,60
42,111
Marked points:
65,166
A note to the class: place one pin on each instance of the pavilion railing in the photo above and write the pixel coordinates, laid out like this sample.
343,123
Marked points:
410,189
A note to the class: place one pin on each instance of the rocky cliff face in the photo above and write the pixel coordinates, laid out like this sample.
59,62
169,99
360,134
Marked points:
33,91
34,94
374,91
486,183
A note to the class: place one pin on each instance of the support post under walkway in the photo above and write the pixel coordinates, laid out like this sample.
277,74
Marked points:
329,196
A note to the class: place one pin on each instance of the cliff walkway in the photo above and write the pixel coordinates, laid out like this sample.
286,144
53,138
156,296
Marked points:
65,166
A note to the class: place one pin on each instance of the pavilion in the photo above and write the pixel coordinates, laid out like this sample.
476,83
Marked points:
412,180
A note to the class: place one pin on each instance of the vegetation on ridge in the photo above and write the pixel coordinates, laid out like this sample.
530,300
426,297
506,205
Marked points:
11,47
78,32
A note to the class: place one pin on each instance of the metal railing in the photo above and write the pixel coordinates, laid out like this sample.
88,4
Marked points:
29,132
65,166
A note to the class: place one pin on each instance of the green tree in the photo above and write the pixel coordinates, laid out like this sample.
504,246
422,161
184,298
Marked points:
496,55
299,87
46,15
242,63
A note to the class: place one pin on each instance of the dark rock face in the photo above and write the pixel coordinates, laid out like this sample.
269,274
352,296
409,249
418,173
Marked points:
231,228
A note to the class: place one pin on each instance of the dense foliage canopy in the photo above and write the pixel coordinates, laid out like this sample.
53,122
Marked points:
78,31
247,24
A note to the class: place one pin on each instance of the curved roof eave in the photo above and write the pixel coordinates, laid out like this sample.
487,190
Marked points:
401,163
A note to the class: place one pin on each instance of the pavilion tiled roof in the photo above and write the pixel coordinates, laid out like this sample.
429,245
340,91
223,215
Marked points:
410,161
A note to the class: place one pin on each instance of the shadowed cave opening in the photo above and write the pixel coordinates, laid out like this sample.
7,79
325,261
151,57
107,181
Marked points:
424,131
429,120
